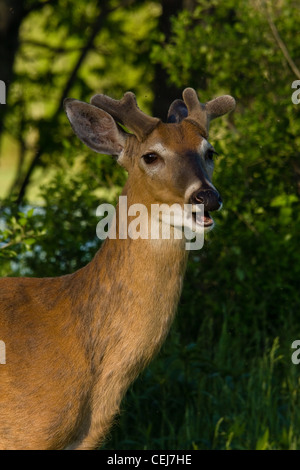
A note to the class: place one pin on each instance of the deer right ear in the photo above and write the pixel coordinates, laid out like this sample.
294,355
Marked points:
177,112
95,128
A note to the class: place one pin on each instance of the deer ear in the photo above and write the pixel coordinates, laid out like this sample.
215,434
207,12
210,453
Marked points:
95,128
177,112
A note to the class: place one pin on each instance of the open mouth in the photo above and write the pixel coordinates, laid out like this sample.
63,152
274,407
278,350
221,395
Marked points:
201,218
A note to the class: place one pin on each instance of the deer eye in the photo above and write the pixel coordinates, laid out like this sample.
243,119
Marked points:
150,158
210,154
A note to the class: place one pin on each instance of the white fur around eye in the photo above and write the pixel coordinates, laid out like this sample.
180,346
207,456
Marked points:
202,149
159,149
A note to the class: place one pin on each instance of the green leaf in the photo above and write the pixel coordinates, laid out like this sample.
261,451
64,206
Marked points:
263,441
29,241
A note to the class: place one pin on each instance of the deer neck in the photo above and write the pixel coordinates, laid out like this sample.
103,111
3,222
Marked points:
134,288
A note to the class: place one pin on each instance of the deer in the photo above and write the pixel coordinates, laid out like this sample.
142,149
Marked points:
75,343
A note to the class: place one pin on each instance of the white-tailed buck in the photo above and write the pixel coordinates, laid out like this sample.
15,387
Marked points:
75,343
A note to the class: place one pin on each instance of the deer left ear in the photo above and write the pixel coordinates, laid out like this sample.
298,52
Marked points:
95,128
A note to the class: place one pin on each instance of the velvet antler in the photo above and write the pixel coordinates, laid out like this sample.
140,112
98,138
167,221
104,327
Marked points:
126,112
191,109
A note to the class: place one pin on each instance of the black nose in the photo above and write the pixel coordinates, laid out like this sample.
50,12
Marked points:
210,198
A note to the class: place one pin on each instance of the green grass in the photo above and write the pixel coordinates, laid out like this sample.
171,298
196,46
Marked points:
190,398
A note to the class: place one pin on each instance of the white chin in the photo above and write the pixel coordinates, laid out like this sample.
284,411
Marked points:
198,227
209,228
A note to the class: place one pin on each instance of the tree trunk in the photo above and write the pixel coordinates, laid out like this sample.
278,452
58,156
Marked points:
165,92
12,13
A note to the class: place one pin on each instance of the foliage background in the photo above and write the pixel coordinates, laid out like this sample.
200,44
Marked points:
224,379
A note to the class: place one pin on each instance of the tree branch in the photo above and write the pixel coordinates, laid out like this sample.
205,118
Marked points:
85,50
281,44
43,45
96,28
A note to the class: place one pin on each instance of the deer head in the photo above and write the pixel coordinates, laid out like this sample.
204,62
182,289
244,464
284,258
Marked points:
167,163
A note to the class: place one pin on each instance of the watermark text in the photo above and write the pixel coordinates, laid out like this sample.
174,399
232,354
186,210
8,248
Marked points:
2,352
163,222
2,92
296,94
296,354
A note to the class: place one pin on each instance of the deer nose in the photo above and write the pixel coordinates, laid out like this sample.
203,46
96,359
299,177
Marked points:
210,198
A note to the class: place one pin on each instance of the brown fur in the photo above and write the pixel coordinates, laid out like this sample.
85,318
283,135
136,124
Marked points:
75,343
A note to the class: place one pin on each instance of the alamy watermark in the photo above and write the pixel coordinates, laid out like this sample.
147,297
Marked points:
296,94
164,222
296,354
2,352
2,92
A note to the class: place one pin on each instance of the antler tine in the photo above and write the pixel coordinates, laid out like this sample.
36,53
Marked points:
202,113
196,110
127,112
219,106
